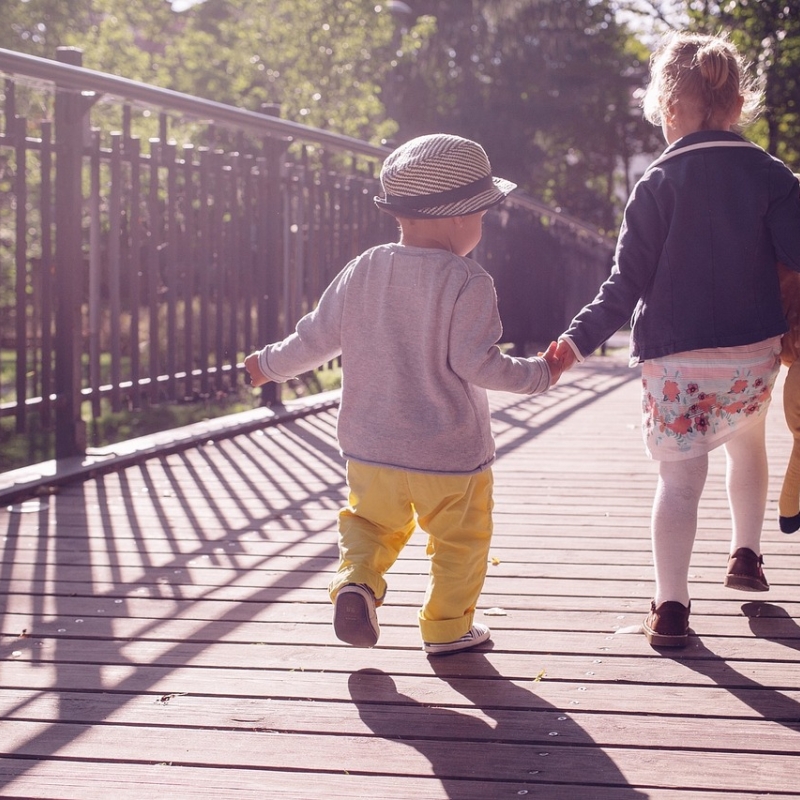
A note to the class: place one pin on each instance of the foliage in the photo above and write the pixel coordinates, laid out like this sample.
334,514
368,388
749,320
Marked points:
318,60
768,33
37,443
39,26
546,86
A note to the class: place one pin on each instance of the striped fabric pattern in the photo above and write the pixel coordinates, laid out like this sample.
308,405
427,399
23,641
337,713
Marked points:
440,175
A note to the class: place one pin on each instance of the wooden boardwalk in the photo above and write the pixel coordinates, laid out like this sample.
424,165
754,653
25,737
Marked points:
166,631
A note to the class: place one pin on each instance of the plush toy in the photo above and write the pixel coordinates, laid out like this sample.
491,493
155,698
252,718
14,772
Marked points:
789,503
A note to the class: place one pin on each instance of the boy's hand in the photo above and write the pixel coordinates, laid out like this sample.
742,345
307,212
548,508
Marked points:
257,377
553,362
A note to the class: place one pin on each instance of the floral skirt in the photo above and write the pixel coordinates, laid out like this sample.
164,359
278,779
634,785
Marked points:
695,401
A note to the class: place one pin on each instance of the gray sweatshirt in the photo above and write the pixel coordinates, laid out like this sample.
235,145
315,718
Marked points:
417,329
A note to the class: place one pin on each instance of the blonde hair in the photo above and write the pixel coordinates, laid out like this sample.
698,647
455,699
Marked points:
706,73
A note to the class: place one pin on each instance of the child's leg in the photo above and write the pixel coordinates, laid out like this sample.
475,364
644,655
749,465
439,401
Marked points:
374,527
674,525
456,512
789,503
747,484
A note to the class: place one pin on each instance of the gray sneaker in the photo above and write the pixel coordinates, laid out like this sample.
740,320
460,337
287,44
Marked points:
354,617
476,635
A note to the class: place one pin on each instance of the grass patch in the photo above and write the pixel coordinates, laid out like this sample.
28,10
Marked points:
37,443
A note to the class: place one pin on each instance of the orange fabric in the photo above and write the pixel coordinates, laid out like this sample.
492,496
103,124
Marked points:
790,296
789,503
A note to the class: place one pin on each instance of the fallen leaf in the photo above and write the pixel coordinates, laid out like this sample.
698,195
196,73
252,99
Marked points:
630,629
165,698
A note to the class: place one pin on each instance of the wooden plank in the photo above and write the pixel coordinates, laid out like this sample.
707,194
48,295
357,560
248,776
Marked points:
266,586
396,715
214,567
60,780
763,619
543,611
533,548
505,763
697,667
742,698
142,638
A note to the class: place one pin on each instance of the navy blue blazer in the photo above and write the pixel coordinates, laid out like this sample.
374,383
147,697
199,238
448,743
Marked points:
695,263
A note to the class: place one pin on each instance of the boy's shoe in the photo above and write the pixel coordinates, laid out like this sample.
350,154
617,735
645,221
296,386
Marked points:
745,573
476,635
354,617
789,524
667,625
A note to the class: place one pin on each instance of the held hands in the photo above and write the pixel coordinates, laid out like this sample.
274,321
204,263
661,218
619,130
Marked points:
566,355
553,362
559,357
257,377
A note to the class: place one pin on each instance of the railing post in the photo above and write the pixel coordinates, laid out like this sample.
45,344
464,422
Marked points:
269,305
70,107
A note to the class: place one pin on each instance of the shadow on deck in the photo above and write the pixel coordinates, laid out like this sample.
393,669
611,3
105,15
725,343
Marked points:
166,629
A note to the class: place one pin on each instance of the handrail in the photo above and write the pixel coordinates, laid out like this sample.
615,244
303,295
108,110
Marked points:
83,79
523,200
187,256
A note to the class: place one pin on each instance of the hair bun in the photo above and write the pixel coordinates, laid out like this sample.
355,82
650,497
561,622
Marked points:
707,73
714,66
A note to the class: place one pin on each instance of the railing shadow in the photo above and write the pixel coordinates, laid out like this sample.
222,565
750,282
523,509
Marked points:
767,621
578,390
63,572
80,523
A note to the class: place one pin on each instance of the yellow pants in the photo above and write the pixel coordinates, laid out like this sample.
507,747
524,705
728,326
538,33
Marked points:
385,507
789,503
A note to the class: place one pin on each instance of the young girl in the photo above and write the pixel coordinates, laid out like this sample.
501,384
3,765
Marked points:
695,267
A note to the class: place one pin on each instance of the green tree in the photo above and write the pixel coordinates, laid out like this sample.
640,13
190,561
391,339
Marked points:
38,27
547,86
321,61
768,33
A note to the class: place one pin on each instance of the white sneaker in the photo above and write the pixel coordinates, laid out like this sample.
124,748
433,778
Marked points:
477,634
354,617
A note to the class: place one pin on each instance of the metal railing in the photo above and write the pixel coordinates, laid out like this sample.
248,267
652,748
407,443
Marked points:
139,272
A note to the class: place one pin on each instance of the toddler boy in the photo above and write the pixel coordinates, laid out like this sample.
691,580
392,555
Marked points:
417,326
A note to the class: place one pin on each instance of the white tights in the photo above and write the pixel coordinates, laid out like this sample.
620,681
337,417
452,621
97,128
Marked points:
674,518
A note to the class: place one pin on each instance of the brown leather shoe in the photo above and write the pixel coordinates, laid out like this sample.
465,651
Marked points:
745,573
667,625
